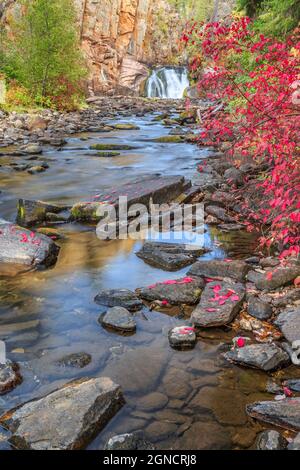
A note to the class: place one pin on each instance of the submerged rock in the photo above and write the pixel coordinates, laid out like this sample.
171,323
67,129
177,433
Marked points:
271,440
236,269
220,303
119,319
10,376
31,213
266,357
284,413
158,190
119,298
77,360
174,292
129,442
21,247
66,419
273,278
168,256
182,338
289,324
108,154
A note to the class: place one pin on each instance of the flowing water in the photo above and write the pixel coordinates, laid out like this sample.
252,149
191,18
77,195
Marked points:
202,399
167,82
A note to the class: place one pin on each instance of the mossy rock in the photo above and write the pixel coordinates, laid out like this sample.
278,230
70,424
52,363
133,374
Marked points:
111,147
108,154
50,232
161,117
85,212
170,122
170,139
126,126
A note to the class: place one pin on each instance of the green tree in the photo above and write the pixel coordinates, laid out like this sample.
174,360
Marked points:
42,47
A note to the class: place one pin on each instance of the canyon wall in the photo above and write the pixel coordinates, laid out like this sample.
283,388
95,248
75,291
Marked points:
121,39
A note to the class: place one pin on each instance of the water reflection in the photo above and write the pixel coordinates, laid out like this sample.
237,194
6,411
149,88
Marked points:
47,314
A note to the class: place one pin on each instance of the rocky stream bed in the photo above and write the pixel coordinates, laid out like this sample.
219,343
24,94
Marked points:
136,344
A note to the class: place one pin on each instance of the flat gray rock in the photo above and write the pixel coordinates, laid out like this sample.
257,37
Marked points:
169,256
281,276
220,303
236,269
271,440
119,319
158,189
119,298
266,357
10,377
182,337
21,247
284,413
289,324
179,291
66,419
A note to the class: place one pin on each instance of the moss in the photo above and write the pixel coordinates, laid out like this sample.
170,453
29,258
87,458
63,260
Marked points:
111,147
126,127
170,139
108,154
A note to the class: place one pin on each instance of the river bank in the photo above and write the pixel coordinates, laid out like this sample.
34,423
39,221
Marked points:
179,399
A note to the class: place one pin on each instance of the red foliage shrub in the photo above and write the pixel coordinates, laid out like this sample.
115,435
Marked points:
257,79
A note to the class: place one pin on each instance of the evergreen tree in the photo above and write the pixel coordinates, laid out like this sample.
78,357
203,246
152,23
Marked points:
43,49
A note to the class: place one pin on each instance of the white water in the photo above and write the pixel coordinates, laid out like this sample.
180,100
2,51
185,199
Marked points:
167,82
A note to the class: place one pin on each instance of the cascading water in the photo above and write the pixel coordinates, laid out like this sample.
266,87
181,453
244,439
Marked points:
167,82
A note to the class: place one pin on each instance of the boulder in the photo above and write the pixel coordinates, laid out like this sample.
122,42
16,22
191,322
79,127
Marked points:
10,376
31,213
293,384
182,337
220,213
129,442
273,278
259,309
292,296
119,319
66,419
175,292
156,189
119,298
236,269
21,247
295,444
271,440
168,256
289,323
31,149
267,357
283,413
220,302
234,176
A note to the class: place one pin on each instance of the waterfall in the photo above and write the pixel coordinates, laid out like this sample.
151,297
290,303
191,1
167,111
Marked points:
167,82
